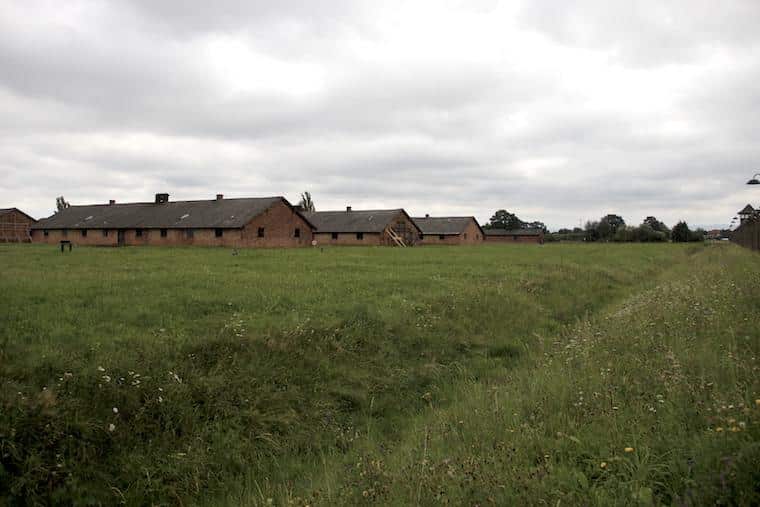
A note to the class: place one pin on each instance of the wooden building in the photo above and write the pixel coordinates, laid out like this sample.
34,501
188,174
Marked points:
392,227
15,226
535,236
449,230
247,222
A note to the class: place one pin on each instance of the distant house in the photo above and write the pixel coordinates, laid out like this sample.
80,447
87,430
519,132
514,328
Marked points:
514,236
15,226
449,230
392,227
247,222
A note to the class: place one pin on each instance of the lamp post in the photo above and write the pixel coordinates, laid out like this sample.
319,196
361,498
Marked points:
754,180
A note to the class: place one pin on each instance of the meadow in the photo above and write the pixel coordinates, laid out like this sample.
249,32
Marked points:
560,374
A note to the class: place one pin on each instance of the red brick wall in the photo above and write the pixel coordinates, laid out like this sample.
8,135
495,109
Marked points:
518,239
279,223
14,227
349,238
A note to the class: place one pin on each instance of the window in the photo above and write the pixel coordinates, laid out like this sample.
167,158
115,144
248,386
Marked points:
297,233
421,236
441,237
163,233
260,232
189,233
45,233
84,233
138,233
218,233
359,235
334,235
65,232
105,233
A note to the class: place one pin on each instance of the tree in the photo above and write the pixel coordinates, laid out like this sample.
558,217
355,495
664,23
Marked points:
609,225
591,232
503,219
306,203
681,232
536,225
656,225
61,204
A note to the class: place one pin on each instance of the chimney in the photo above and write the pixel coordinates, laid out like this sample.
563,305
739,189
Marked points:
427,215
219,197
162,198
111,202
348,208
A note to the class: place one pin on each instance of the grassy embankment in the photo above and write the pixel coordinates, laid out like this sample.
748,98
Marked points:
472,375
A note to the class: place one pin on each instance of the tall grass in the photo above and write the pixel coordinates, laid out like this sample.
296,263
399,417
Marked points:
353,375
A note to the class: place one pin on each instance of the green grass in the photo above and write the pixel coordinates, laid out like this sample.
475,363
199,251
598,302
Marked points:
492,374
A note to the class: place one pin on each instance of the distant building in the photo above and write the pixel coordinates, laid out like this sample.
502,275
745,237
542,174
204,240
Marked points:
247,222
747,213
392,227
15,226
449,230
535,236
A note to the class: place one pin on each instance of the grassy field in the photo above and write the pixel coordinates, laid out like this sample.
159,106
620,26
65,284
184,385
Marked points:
557,374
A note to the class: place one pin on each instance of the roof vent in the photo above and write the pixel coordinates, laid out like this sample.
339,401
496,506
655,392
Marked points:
162,198
348,208
219,197
111,202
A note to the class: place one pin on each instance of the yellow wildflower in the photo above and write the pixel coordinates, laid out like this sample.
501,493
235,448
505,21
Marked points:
629,449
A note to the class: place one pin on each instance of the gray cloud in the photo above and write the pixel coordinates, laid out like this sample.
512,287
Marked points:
558,112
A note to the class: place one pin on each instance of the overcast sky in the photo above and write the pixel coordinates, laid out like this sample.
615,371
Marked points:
557,112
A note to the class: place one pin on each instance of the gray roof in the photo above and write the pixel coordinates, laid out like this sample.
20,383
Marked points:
4,211
222,213
513,232
369,221
748,210
445,226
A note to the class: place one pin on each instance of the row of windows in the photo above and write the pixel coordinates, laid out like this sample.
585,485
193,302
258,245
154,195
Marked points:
189,233
359,235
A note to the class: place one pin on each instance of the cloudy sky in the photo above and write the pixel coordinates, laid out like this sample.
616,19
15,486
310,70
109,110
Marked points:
558,112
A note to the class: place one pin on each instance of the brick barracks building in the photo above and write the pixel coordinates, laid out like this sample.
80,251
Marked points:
247,222
392,227
15,226
514,236
449,230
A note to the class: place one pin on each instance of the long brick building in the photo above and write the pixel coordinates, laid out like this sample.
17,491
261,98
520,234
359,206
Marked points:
449,230
514,236
392,227
247,222
15,226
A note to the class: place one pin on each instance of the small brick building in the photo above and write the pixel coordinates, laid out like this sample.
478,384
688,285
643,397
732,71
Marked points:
535,236
364,227
15,226
449,230
247,222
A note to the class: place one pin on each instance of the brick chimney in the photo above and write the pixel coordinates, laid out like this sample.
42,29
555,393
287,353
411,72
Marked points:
111,202
219,197
348,208
162,198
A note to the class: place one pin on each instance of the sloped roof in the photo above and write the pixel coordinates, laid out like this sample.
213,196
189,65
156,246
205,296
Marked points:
4,211
369,221
513,232
445,226
222,213
748,210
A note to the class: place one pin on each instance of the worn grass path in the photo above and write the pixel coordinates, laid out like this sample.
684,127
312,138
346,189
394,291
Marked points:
655,400
394,376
